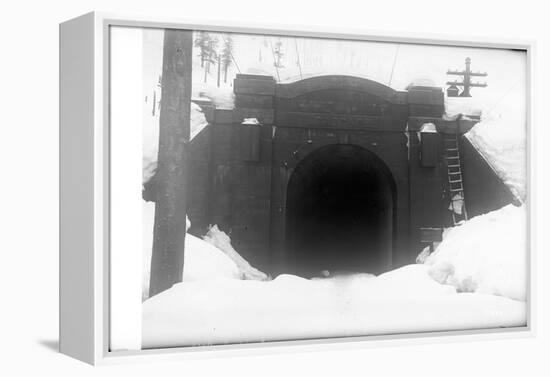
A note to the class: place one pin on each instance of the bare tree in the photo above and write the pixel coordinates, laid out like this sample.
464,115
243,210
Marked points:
170,210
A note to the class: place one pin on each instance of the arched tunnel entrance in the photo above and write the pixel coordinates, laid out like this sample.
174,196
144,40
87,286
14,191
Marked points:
340,212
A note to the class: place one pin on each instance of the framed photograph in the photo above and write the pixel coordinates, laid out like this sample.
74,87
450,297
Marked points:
228,188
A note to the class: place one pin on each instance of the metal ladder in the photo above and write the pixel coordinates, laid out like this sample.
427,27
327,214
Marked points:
454,175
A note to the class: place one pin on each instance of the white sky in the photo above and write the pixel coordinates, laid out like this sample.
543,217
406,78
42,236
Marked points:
253,54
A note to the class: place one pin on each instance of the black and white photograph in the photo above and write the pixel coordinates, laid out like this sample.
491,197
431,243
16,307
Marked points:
299,188
275,189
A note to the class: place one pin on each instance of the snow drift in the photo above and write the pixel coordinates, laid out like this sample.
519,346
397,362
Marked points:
211,259
500,137
289,307
214,306
505,151
221,240
487,254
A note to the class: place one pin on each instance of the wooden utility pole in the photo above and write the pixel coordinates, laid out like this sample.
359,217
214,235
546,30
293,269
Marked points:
467,79
170,210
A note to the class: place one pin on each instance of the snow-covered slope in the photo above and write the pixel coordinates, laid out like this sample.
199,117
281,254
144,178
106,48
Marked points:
504,147
500,136
487,254
221,240
211,259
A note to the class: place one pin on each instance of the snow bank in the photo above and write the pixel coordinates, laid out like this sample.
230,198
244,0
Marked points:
471,106
222,242
214,306
487,254
222,97
151,138
290,307
205,262
422,81
428,128
202,260
500,136
198,120
251,121
210,259
503,145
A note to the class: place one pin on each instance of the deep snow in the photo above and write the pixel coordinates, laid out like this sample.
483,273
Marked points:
500,137
213,305
221,240
211,259
487,254
289,307
505,149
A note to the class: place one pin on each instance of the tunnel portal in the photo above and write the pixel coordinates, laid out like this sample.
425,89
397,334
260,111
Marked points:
340,212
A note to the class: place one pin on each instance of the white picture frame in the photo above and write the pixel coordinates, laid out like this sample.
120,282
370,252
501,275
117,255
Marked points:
85,195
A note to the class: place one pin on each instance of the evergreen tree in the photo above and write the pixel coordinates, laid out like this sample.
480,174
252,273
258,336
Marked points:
202,41
207,44
227,56
211,52
278,55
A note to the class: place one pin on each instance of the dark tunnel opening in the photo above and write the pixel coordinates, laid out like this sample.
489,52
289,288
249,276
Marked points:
340,213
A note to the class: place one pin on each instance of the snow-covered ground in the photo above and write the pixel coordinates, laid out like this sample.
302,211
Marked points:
289,307
468,283
487,254
210,259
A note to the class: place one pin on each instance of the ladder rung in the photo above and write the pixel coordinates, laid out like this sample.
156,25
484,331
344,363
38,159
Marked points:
455,181
453,166
457,190
452,157
453,172
451,149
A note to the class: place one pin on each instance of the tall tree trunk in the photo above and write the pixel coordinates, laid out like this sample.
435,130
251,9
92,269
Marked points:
169,229
219,69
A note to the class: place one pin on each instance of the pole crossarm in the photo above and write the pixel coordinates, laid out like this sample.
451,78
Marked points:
466,82
473,84
462,73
